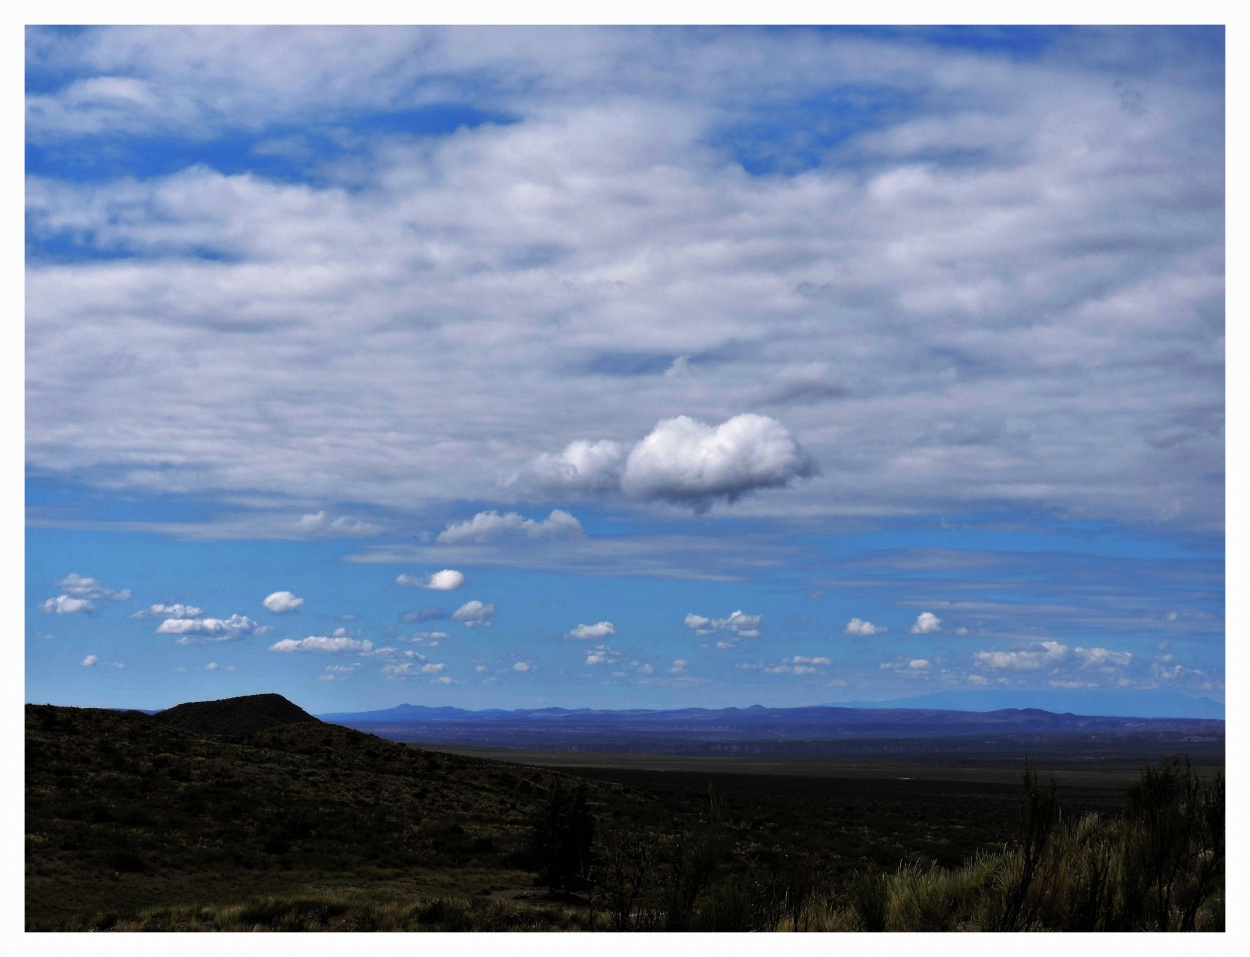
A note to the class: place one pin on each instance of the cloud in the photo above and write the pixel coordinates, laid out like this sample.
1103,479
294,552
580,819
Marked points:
422,614
335,644
602,655
1051,653
679,666
446,580
168,611
857,626
582,467
634,185
89,661
739,624
689,463
487,526
682,461
474,614
410,669
318,525
522,666
1103,658
79,587
926,624
280,602
65,605
798,665
603,629
196,630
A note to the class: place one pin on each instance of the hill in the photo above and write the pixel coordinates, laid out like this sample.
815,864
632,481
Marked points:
241,715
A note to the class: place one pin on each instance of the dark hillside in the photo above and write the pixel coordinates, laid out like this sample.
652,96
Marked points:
235,715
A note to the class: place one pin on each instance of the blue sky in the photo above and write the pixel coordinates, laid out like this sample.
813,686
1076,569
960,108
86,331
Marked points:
626,367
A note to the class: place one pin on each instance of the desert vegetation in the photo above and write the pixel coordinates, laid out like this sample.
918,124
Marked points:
138,824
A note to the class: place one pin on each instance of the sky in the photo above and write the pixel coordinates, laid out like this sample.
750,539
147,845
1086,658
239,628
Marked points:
624,367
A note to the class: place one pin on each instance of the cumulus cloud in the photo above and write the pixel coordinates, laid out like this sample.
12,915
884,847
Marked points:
488,526
522,666
79,587
679,666
1049,654
475,614
739,624
582,467
65,605
926,624
683,461
602,655
168,611
89,661
196,630
446,580
1103,658
280,602
689,463
798,665
857,626
335,644
319,525
603,629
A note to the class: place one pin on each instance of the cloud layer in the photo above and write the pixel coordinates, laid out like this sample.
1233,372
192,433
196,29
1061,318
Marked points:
912,255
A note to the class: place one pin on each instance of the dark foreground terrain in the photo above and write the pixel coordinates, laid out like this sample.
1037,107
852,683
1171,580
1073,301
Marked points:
251,814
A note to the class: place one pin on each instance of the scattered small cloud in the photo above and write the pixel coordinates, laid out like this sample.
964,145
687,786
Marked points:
333,644
422,614
319,525
196,630
1050,653
738,624
66,605
522,666
679,667
89,661
280,602
475,614
446,580
603,629
77,586
927,623
857,626
798,665
168,611
413,669
489,526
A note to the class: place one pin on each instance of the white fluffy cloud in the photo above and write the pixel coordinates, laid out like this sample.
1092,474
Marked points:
738,624
927,623
603,629
690,463
89,661
488,526
79,587
857,626
683,461
475,614
280,602
446,580
522,666
602,655
65,605
196,630
406,669
1050,654
336,643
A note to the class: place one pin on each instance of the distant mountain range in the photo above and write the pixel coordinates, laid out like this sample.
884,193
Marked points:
1137,704
761,730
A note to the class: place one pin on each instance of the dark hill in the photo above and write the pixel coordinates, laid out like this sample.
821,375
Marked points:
242,715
